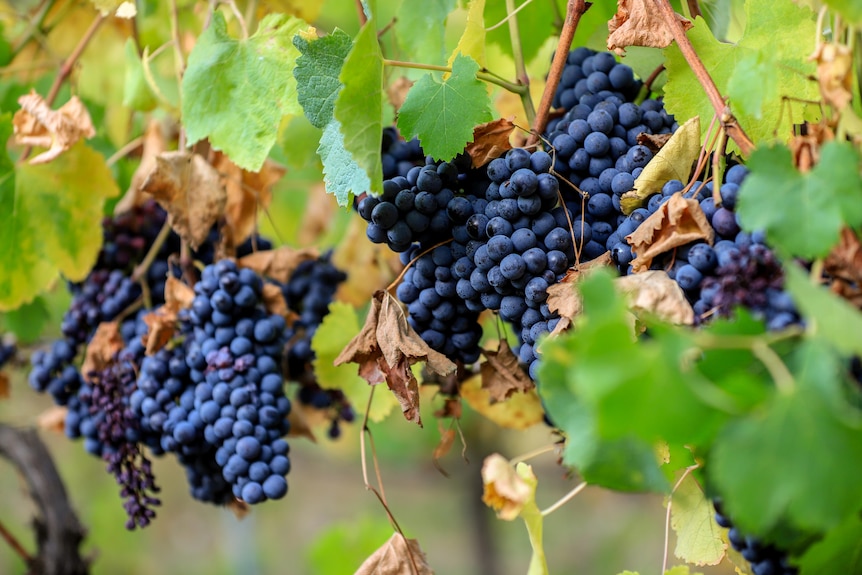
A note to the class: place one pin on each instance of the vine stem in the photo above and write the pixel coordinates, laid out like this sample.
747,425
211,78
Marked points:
564,499
574,10
142,268
534,453
15,544
33,29
486,76
520,67
729,122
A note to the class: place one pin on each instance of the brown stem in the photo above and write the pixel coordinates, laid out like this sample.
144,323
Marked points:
15,545
574,10
361,11
652,77
694,9
729,122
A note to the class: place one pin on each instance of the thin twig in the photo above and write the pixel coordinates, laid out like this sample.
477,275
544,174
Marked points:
141,269
731,125
564,499
238,15
360,10
125,151
69,64
520,66
15,545
694,9
533,453
652,77
508,16
574,10
489,77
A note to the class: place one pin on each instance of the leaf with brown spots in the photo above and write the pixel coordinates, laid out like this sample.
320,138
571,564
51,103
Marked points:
677,222
490,141
154,144
36,124
190,190
53,419
656,293
398,556
564,299
502,375
102,349
279,263
246,193
638,24
385,349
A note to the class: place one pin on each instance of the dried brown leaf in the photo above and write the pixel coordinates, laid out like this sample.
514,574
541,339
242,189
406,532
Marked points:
103,348
654,142
177,294
505,491
318,215
299,426
564,299
239,508
844,264
154,144
190,190
677,222
397,91
274,302
36,124
161,327
447,440
385,349
246,192
396,557
490,141
636,23
53,419
279,263
5,389
834,73
502,375
655,292
451,408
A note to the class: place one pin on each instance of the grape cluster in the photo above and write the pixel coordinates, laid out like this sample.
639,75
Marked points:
399,156
765,559
588,72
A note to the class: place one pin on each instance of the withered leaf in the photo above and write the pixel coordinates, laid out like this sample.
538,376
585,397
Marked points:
502,375
490,141
521,411
385,349
274,302
246,193
177,294
397,91
190,190
447,440
36,124
396,557
677,222
451,408
299,426
654,142
102,349
53,419
505,491
279,263
4,386
162,323
239,508
154,144
318,215
637,23
564,299
655,292
844,264
834,73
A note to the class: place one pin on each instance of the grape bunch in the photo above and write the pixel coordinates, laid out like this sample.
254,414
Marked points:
399,156
765,559
588,72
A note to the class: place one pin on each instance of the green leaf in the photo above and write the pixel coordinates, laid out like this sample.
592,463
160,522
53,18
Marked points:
342,547
535,24
472,41
5,48
754,82
772,465
850,10
341,174
802,214
49,227
338,328
235,92
838,552
443,115
316,73
782,49
28,321
692,517
421,33
137,93
359,105
830,316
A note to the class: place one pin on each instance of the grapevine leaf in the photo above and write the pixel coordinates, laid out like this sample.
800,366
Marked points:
316,73
814,205
754,82
838,552
472,41
637,24
278,264
36,124
247,192
780,49
235,92
190,190
443,115
28,321
396,556
154,145
137,94
850,10
519,411
359,105
490,141
501,374
767,465
834,319
341,174
48,228
329,339
535,22
698,536
421,33
102,349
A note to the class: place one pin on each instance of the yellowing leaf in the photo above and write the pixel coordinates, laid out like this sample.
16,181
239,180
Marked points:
520,411
472,42
698,536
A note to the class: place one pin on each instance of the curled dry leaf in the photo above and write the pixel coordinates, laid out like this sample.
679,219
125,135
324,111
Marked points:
162,323
506,492
490,141
502,374
520,411
844,264
654,142
36,124
279,263
385,349
655,292
447,440
274,302
153,145
103,348
246,192
190,190
397,556
53,419
636,23
563,297
677,222
834,73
